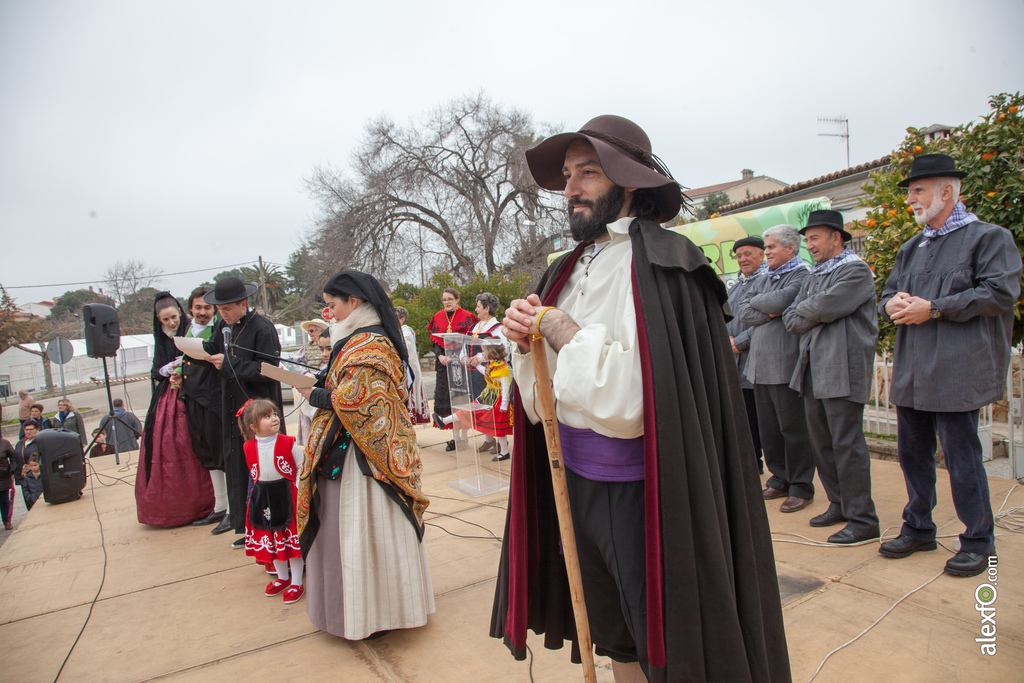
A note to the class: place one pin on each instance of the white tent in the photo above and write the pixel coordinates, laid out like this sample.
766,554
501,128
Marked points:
20,369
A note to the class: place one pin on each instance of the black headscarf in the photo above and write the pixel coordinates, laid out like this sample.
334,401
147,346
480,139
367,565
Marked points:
164,351
365,286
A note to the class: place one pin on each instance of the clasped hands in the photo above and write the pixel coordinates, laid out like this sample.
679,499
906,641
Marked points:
905,309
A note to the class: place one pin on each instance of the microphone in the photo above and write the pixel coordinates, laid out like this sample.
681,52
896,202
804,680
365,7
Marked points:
227,340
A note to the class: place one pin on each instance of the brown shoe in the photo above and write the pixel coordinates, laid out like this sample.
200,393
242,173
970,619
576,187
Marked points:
792,504
769,493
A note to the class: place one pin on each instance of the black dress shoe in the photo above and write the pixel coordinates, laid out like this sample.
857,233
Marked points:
501,456
846,536
966,564
223,527
438,422
832,516
238,544
211,518
905,546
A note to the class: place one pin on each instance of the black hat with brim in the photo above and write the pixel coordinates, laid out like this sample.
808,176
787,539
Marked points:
228,290
750,241
828,219
626,158
932,166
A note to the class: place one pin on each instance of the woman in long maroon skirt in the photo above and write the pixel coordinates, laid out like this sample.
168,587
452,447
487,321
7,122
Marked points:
171,487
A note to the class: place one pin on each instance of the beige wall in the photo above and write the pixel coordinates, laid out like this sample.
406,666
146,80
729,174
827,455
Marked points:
757,186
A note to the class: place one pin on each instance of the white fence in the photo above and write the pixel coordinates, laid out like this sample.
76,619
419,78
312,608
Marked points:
880,416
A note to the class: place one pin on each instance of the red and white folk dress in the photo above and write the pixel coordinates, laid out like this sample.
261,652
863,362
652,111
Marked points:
270,532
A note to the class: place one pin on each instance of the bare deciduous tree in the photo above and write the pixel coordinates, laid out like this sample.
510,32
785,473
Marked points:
125,280
452,192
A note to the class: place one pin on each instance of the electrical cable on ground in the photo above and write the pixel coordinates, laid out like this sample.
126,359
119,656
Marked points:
855,638
103,578
1013,519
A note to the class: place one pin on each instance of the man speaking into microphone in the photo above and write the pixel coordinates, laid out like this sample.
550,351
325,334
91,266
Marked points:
241,342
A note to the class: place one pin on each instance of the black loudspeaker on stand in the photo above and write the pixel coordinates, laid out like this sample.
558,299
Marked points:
61,465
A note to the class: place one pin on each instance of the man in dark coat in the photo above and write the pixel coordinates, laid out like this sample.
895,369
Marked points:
200,390
124,430
658,457
253,341
834,315
951,293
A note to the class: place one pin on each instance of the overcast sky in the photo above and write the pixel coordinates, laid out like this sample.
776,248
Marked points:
179,132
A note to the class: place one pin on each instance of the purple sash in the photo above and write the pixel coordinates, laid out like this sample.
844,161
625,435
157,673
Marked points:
602,458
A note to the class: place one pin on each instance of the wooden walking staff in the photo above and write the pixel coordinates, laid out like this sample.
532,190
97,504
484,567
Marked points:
546,408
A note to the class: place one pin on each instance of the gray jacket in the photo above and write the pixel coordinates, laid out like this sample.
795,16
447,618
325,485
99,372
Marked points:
958,362
773,350
738,331
834,314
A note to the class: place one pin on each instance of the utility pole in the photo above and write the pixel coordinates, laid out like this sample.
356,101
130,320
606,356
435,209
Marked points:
844,131
263,286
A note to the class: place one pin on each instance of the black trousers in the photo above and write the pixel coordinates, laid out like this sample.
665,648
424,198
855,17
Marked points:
841,454
751,404
968,482
204,430
608,519
788,453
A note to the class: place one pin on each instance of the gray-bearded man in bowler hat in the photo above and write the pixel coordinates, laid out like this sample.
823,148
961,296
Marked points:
834,316
951,293
240,379
657,454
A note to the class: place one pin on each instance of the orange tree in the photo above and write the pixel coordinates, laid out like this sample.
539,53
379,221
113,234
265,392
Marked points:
991,151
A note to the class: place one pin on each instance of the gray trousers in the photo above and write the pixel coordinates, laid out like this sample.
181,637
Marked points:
788,453
841,454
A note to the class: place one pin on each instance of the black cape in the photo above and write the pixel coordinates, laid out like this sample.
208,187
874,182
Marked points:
714,609
240,380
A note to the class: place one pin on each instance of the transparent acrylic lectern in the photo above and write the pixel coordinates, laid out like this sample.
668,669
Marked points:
478,475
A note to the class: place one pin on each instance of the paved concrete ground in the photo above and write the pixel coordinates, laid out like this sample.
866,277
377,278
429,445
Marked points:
179,604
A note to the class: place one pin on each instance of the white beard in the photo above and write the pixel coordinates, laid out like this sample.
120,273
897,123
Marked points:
930,212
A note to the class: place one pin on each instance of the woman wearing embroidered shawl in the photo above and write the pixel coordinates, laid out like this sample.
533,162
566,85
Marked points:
360,502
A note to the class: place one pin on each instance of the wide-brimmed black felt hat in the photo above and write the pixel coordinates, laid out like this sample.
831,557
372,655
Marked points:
932,166
228,290
626,158
828,219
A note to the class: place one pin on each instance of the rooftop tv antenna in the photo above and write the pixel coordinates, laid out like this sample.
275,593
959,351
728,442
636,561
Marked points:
843,124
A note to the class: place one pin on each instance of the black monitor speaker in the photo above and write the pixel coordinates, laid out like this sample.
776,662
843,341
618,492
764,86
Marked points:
61,465
102,330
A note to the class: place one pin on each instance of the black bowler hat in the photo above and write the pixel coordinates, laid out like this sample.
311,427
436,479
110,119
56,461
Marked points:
932,166
228,290
829,219
751,241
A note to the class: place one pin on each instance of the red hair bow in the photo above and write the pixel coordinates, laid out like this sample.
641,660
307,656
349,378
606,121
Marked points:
239,413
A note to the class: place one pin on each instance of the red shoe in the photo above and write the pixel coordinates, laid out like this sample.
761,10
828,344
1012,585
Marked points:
271,569
275,587
293,593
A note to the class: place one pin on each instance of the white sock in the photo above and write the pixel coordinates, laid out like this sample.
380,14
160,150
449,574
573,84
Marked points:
220,490
297,566
282,569
502,443
448,420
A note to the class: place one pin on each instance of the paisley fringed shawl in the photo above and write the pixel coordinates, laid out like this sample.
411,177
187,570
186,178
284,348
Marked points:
368,392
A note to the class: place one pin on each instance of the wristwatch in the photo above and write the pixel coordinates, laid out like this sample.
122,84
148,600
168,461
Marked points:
934,313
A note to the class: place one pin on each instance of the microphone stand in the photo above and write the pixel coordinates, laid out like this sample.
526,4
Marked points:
271,356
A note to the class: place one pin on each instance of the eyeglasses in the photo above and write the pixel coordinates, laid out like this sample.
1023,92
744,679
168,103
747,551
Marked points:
448,300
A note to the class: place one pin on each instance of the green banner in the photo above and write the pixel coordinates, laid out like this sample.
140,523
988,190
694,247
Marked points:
717,235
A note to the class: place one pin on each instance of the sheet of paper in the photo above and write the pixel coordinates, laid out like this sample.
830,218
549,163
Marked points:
290,378
191,347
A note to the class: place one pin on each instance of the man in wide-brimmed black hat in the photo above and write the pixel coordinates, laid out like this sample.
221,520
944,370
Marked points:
658,455
834,316
253,341
951,292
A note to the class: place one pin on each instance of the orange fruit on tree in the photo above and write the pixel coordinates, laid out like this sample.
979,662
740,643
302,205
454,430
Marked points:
917,149
1013,109
871,223
988,155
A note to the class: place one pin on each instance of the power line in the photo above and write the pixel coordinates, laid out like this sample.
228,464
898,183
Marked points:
160,276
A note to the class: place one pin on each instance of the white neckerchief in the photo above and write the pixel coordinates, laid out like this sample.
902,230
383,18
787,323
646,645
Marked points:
363,316
197,329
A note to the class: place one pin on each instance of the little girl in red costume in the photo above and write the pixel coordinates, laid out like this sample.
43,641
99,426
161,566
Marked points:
273,460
